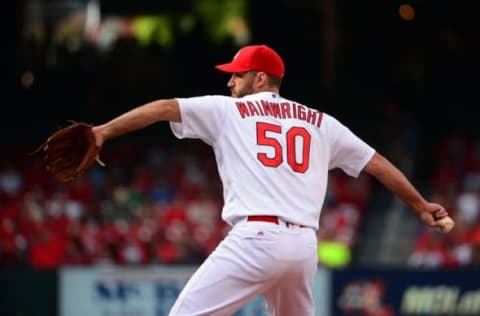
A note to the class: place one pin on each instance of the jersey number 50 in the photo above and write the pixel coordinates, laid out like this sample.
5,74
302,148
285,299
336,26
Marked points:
292,135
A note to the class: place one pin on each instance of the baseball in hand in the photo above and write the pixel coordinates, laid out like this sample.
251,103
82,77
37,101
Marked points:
446,223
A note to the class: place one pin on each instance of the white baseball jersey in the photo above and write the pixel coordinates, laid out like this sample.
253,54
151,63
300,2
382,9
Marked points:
273,154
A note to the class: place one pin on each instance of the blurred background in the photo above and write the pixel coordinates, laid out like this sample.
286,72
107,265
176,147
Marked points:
403,75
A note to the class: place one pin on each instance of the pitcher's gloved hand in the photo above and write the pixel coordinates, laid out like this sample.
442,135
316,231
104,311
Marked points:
70,152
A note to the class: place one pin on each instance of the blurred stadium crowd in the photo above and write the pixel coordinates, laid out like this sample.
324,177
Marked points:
155,204
456,184
147,206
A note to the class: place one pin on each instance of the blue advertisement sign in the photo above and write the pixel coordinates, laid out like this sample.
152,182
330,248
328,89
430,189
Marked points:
147,291
396,292
129,292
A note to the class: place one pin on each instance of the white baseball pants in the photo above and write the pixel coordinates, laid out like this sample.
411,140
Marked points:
255,258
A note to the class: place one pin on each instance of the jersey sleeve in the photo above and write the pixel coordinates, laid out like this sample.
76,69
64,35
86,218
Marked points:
202,118
348,151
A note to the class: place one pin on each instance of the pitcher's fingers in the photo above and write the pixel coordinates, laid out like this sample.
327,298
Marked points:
440,213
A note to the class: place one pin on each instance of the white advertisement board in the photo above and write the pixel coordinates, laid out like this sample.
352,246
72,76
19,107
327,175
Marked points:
143,291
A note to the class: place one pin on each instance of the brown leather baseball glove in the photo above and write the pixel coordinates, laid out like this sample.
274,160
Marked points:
70,151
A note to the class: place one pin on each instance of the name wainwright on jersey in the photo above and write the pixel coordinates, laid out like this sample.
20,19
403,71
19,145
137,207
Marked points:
282,110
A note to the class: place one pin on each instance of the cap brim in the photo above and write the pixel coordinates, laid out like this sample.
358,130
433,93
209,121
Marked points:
230,68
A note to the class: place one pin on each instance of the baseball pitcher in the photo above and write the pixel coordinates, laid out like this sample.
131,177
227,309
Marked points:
273,156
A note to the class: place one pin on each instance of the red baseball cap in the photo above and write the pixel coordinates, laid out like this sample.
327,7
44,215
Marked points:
255,57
